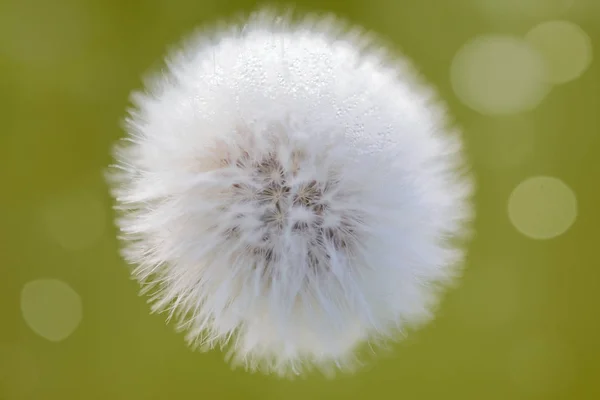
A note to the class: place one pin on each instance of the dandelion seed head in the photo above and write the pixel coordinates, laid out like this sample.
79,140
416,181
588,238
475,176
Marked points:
288,191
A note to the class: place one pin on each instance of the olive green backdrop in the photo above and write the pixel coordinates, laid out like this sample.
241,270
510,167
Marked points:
523,323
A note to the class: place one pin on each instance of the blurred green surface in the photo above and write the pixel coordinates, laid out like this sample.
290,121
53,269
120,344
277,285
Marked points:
523,323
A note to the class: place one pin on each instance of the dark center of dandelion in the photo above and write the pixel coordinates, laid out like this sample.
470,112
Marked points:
300,211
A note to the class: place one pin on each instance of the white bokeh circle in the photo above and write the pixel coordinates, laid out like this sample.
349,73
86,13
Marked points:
51,308
542,207
565,47
499,75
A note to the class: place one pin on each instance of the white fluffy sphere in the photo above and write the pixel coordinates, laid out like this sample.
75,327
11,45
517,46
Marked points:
290,191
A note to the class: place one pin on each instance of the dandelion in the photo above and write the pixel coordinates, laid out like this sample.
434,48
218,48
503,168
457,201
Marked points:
289,191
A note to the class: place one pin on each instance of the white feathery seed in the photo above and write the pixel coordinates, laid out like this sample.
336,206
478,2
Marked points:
288,190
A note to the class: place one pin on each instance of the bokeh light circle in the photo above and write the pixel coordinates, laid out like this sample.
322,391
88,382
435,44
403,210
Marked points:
51,308
499,75
542,207
565,47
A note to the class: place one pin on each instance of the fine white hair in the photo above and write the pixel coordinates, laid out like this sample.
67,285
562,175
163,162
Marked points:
288,190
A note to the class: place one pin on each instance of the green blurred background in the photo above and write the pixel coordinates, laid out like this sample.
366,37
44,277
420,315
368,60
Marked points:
523,323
